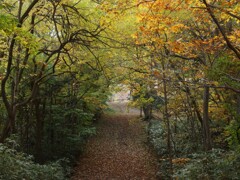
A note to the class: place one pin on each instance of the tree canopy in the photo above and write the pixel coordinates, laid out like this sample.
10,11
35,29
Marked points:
60,60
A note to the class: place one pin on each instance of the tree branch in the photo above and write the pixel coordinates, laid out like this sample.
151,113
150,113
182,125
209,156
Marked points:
229,44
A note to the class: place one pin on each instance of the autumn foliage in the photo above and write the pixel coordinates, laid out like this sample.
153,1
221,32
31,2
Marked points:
60,61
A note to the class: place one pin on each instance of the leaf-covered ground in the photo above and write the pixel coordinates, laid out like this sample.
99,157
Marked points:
119,150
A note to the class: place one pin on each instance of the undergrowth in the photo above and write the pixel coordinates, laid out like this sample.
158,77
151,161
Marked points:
16,165
189,161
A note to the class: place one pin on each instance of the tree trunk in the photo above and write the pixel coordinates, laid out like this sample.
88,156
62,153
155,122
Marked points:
207,143
39,129
9,127
141,111
238,104
191,117
147,112
167,120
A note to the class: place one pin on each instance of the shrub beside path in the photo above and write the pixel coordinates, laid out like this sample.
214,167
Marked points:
119,150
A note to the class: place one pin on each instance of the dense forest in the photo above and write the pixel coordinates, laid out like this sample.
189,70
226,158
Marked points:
61,60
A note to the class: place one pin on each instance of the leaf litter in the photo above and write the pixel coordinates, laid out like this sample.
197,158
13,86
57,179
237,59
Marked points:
118,151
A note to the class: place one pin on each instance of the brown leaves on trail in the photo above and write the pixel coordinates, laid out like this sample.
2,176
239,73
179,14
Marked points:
119,151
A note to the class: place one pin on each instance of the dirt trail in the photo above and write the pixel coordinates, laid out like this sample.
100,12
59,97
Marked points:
119,150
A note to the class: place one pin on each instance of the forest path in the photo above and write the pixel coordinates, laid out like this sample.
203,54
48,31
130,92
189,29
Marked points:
119,150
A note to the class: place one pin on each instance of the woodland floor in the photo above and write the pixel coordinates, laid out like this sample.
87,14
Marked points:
119,150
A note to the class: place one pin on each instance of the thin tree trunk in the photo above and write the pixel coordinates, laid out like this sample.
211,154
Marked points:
166,118
238,104
206,129
191,115
189,94
39,129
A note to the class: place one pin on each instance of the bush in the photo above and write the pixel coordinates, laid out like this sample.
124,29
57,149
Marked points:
66,133
156,136
17,166
215,164
233,133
